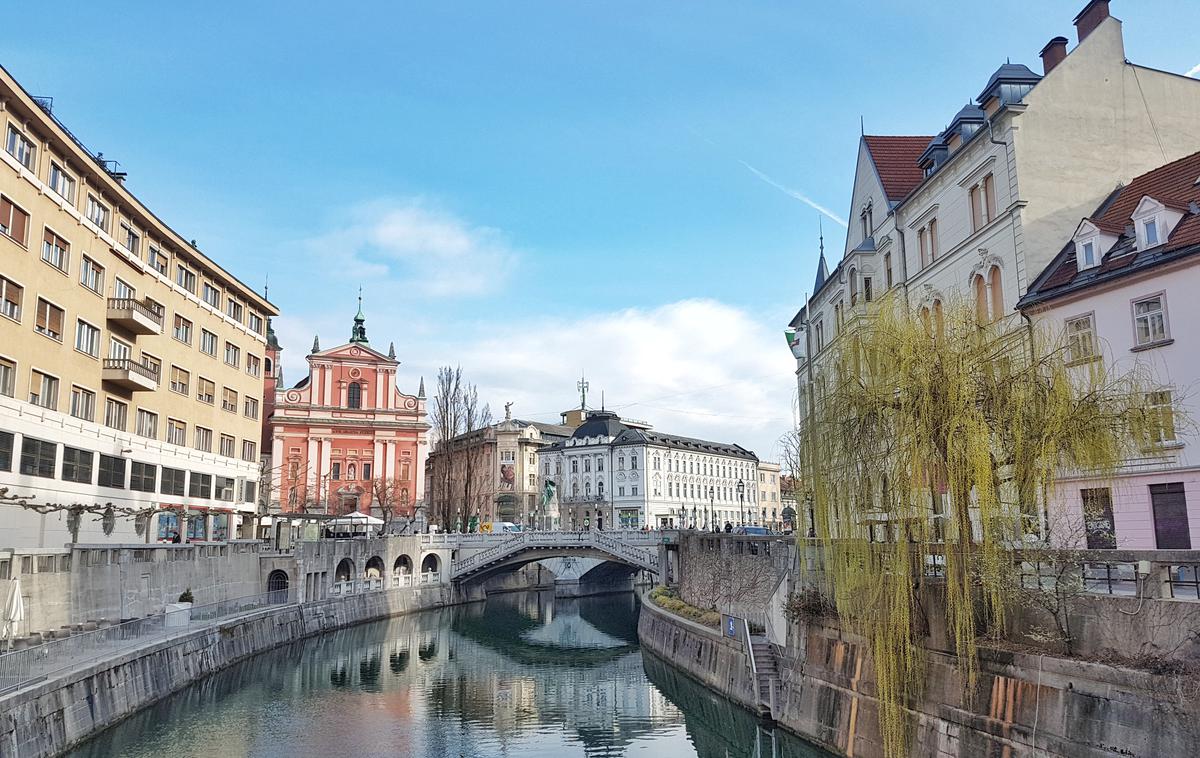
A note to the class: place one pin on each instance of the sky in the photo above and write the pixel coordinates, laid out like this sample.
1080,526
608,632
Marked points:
536,191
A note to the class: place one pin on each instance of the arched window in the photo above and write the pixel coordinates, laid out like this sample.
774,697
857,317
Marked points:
939,323
853,277
925,318
981,304
268,365
354,395
600,489
575,489
997,293
587,489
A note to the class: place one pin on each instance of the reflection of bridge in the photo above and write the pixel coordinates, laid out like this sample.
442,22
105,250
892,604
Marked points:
636,550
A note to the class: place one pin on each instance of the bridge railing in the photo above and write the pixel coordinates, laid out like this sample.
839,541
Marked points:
605,541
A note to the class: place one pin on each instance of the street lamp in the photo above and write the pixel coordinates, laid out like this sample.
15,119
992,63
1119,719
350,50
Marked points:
712,494
741,490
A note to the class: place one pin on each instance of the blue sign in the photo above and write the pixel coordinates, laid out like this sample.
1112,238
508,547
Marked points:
730,628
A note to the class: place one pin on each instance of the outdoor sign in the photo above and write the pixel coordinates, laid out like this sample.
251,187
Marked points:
730,625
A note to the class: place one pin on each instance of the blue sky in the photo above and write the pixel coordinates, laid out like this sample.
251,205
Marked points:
535,189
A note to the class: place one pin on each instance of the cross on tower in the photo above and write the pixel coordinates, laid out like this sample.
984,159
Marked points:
582,385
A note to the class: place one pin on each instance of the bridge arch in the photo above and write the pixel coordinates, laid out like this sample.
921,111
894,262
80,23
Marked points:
374,567
344,571
277,587
431,563
403,565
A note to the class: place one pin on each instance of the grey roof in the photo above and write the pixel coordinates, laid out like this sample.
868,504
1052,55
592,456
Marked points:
969,113
1009,73
641,436
866,246
822,273
550,430
600,424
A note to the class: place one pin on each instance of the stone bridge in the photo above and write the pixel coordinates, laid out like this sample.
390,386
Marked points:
490,554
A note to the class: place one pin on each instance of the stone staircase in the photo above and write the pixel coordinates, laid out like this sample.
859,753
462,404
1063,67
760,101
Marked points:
766,666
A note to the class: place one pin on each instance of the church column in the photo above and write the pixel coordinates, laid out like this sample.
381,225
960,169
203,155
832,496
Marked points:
312,475
389,460
277,469
318,376
326,449
380,386
327,385
419,473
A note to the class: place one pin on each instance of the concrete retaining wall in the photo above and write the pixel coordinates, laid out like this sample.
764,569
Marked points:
48,719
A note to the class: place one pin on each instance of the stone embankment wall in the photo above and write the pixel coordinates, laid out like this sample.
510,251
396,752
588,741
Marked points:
49,718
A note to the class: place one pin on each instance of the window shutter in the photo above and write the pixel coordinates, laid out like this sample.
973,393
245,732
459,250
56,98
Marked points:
20,223
56,320
1169,503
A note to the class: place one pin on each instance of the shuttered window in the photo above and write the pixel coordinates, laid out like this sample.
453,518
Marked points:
14,222
1171,528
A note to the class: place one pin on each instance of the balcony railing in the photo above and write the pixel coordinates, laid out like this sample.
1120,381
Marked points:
136,316
130,374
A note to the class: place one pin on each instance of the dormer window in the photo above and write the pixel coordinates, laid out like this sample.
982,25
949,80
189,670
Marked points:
1150,232
1088,255
1091,244
1153,222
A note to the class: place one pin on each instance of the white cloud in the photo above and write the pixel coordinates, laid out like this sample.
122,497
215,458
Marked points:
409,241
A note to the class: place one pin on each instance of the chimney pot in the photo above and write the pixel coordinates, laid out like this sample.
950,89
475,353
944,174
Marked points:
1053,54
1090,17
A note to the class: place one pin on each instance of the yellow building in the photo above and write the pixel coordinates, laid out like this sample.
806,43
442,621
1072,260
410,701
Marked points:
131,363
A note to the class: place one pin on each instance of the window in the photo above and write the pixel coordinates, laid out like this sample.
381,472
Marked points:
207,391
118,350
1149,320
181,380
20,147
1160,418
250,408
211,295
8,375
233,309
87,338
983,203
14,222
853,281
176,432
115,414
336,472
979,290
172,482
6,450
97,213
83,404
122,290
112,472
11,296
923,246
37,457
1168,503
142,476
130,239
249,451
229,400
253,365
366,472
146,423
200,485
255,323
633,462
62,183
1150,230
1081,338
233,354
225,489
1089,255
55,250
208,342
820,335
157,260
354,395
77,465
227,446
185,278
248,489
203,439
49,319
182,330
91,275
43,390
868,294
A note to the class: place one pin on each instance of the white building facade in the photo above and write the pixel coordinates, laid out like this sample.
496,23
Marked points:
618,474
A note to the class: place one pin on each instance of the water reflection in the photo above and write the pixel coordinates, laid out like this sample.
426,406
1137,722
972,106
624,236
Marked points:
520,675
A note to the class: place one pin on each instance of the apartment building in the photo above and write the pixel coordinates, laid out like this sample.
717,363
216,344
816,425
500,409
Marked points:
974,212
1122,290
131,363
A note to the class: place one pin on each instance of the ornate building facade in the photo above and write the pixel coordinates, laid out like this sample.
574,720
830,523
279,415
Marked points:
346,438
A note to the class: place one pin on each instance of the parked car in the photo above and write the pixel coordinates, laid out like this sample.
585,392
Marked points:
501,527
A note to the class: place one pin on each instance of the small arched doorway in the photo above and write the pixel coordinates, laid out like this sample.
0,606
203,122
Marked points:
403,566
429,564
277,587
374,569
345,570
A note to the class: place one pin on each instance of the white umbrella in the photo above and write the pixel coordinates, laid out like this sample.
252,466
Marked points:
12,612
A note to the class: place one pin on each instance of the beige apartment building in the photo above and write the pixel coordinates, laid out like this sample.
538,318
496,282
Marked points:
131,363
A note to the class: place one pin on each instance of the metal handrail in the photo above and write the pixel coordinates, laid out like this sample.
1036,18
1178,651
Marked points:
750,652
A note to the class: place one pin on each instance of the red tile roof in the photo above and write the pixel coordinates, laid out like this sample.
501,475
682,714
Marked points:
896,161
1175,185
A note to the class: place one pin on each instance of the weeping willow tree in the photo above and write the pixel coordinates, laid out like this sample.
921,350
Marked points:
931,445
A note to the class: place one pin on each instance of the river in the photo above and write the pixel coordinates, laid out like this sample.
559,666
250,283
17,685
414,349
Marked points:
521,674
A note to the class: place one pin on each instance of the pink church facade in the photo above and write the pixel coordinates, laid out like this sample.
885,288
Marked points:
347,438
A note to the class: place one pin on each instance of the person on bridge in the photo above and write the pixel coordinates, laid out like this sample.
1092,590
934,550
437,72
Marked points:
728,527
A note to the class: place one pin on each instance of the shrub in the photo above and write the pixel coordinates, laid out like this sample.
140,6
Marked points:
809,604
186,596
668,600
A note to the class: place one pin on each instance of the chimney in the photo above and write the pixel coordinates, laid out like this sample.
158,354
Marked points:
1090,17
1053,54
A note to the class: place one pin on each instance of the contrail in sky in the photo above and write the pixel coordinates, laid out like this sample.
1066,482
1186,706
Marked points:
1195,70
798,195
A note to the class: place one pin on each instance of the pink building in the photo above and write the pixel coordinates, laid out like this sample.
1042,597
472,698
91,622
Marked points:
346,438
1124,290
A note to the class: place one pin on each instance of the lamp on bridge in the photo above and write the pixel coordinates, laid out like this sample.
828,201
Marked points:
712,495
741,490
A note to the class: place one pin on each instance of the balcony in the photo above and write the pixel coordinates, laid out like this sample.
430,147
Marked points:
128,373
134,315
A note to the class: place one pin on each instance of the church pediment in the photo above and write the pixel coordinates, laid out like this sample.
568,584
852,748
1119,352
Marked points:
355,352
